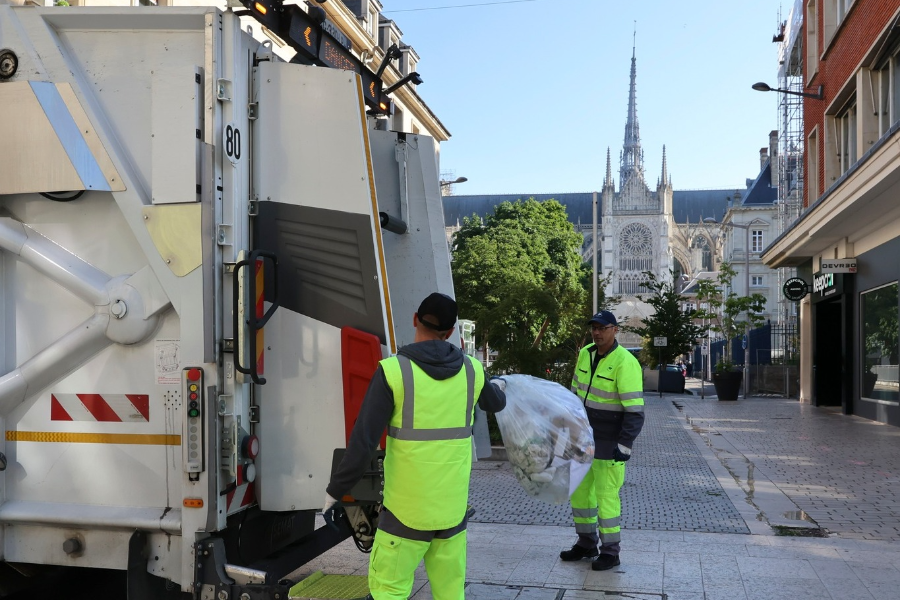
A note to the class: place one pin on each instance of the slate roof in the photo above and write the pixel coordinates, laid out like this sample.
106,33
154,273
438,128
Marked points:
688,205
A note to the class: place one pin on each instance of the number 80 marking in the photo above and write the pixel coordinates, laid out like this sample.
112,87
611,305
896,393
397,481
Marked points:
232,141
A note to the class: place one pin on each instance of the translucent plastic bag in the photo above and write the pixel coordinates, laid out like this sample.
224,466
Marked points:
548,440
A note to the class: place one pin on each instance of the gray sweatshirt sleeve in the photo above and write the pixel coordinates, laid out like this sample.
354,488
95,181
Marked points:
374,416
492,398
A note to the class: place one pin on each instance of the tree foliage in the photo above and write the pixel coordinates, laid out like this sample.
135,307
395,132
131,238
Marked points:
668,320
722,307
518,274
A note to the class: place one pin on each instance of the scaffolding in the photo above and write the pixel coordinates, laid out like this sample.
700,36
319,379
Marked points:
790,166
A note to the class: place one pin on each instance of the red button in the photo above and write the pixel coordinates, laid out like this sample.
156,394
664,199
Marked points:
193,374
193,396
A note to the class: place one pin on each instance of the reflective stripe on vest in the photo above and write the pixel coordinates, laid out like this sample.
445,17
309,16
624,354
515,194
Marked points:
406,431
610,400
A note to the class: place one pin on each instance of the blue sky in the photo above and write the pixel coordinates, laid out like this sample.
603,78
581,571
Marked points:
533,92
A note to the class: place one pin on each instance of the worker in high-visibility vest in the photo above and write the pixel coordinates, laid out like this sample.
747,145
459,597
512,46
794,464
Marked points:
425,396
608,379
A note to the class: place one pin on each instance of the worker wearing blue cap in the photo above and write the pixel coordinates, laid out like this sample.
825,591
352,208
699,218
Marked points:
609,381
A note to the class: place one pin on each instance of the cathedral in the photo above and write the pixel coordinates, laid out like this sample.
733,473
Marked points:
642,229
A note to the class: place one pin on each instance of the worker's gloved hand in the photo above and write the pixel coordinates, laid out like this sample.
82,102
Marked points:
621,453
331,511
499,382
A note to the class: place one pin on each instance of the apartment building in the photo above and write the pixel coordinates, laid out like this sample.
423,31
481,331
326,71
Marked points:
846,240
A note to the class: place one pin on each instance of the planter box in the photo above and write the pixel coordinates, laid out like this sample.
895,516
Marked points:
728,385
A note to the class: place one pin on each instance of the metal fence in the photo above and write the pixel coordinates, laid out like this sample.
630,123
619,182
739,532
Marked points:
774,359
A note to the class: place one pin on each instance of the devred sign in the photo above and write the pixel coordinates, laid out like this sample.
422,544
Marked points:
840,265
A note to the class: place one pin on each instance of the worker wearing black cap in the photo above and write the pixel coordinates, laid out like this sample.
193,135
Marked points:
425,397
608,379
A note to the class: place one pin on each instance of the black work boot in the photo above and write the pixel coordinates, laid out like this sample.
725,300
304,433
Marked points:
577,553
605,562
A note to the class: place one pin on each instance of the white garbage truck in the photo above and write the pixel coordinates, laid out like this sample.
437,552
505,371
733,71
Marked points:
204,251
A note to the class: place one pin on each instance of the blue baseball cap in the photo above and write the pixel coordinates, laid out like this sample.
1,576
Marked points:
604,317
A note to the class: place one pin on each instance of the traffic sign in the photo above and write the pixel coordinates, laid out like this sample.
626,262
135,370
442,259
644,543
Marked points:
744,342
660,341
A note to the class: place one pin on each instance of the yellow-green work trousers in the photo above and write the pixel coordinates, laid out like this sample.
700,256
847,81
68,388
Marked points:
394,561
596,506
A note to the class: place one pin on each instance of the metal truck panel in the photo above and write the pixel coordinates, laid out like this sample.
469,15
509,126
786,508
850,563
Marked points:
406,177
310,141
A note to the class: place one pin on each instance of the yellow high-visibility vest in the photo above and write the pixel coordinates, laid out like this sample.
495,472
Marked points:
622,393
428,454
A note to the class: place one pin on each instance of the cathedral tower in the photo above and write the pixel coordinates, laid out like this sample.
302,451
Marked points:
636,220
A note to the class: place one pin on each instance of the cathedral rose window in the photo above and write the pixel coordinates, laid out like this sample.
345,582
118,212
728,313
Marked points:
635,240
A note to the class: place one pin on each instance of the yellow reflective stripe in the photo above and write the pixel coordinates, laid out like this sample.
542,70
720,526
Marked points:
634,408
429,435
605,394
146,439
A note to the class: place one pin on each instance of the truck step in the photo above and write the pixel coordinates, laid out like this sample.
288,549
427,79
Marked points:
320,586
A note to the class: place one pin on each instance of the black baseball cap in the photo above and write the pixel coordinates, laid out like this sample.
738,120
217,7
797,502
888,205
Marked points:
438,312
604,317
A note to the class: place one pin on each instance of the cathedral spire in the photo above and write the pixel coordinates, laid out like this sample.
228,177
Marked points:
608,181
665,170
632,156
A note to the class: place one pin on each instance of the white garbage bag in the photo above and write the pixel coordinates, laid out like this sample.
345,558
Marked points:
548,439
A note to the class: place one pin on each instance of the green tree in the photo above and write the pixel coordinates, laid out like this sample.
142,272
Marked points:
724,309
518,274
668,320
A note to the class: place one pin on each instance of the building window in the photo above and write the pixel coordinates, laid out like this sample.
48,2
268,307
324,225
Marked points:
881,362
756,281
886,81
811,23
812,175
835,11
840,143
846,131
756,240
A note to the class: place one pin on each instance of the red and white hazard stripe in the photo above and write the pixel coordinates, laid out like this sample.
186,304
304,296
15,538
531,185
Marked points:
242,495
110,408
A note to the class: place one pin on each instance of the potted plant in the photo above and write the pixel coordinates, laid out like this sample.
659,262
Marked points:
729,315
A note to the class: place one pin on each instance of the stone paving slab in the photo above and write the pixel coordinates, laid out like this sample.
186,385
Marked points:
668,485
841,471
764,454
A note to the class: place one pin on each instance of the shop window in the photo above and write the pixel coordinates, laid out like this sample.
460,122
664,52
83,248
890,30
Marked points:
881,344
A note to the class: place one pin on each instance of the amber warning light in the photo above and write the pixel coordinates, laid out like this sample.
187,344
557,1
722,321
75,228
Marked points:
262,9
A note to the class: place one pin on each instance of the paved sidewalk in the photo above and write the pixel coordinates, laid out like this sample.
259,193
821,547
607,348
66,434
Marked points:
764,466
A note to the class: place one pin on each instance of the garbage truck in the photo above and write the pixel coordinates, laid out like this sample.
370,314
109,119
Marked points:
205,249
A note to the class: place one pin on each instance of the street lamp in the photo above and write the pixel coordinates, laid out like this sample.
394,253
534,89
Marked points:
444,182
746,228
764,87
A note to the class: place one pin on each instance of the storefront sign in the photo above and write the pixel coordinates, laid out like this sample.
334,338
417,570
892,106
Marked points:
826,286
841,265
795,289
